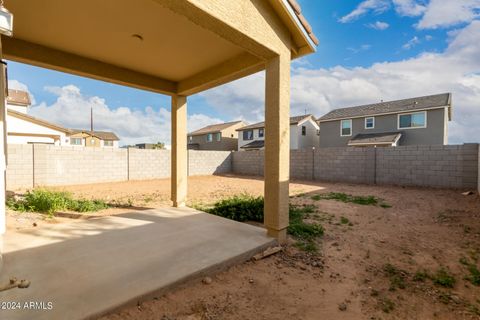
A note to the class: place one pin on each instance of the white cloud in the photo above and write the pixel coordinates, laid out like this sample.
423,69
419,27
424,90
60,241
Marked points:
411,43
71,109
409,8
428,37
376,6
455,70
363,47
443,14
379,25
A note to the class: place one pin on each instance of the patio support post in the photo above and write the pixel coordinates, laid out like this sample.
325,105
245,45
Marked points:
179,151
277,145
3,147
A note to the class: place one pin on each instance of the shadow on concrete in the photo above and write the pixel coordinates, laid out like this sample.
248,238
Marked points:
86,268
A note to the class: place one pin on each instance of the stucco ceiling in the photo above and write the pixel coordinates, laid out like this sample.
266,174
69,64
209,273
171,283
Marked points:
172,48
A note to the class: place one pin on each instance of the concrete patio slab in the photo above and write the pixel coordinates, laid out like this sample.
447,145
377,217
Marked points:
83,269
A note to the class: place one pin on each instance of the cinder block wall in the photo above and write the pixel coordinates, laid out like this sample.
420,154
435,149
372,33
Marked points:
209,162
345,164
248,162
302,164
20,166
58,165
454,166
148,164
46,165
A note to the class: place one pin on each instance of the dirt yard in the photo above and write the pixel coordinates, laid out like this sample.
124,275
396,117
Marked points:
374,262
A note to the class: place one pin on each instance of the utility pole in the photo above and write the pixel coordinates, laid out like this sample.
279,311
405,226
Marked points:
91,119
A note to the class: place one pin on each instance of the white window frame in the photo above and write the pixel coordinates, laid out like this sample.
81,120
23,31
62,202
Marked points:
243,137
351,128
108,141
304,128
373,127
74,144
263,133
209,137
411,113
218,137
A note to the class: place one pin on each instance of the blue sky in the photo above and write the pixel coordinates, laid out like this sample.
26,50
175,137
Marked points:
369,50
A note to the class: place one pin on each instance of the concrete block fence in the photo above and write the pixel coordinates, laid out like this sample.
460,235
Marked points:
451,166
31,165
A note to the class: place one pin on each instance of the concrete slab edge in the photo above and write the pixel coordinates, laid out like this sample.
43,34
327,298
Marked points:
188,280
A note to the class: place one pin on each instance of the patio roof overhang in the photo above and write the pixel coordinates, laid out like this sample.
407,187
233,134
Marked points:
165,46
178,48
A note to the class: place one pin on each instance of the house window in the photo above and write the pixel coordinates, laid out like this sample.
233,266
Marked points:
248,135
190,138
346,127
260,133
304,131
76,141
412,120
219,136
209,137
108,143
369,123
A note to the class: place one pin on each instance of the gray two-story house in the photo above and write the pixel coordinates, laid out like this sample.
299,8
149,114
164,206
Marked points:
414,121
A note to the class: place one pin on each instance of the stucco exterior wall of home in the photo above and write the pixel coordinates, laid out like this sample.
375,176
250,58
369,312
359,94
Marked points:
311,139
256,136
452,166
20,126
22,109
433,134
297,141
228,140
44,165
254,18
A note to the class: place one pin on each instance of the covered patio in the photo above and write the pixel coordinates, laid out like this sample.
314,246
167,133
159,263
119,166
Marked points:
172,47
89,267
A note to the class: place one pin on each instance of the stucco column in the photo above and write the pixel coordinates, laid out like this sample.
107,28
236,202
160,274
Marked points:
277,145
3,146
179,151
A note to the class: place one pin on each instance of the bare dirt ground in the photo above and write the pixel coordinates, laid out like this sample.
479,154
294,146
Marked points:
369,265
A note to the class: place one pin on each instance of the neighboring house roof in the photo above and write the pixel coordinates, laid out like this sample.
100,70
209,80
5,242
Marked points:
397,106
375,138
293,120
102,135
257,144
18,97
213,128
26,117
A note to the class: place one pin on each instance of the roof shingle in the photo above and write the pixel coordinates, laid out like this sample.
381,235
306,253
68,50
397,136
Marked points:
374,138
214,128
18,97
397,106
103,135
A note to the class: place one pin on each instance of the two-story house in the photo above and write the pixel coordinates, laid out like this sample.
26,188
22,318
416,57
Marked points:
220,136
303,134
414,121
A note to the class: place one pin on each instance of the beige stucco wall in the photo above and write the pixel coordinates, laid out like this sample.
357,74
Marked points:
228,140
